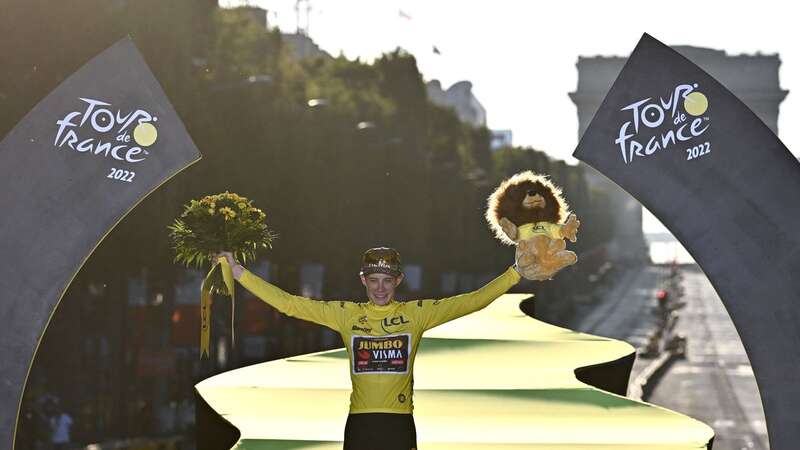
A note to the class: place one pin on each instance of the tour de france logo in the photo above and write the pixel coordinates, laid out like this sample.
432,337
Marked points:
680,118
99,129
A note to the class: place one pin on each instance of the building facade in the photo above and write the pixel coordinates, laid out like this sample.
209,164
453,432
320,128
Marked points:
460,98
501,138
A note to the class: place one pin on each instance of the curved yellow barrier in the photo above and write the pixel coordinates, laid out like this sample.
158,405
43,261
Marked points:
495,379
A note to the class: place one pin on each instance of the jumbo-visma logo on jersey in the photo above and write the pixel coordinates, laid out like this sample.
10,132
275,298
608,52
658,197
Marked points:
381,354
676,119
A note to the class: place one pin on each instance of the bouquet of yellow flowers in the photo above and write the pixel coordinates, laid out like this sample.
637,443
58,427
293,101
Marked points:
225,221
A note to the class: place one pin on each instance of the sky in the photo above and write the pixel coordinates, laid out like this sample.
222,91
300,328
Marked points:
520,55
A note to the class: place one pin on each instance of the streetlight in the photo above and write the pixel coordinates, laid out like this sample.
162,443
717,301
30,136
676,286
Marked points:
315,103
259,79
249,81
365,125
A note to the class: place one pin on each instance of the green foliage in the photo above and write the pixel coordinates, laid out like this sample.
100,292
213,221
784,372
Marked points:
352,89
510,160
241,47
215,223
401,81
412,175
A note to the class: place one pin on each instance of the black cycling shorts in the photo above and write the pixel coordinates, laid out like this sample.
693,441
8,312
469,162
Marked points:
380,431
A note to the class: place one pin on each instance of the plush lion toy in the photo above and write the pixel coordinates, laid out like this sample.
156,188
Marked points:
528,210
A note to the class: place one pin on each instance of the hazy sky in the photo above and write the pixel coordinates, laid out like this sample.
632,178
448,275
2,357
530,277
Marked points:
521,55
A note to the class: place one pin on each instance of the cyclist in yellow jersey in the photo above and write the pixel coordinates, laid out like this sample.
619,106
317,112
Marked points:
381,337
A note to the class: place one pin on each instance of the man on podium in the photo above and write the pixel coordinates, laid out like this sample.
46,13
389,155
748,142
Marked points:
381,337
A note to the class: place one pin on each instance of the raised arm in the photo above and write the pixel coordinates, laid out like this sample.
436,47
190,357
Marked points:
325,313
436,312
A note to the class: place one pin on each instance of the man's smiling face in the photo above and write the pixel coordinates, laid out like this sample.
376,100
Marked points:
380,287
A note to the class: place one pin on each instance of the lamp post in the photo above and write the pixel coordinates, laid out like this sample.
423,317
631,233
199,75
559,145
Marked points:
252,80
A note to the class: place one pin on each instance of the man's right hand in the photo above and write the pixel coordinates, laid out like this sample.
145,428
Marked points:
235,267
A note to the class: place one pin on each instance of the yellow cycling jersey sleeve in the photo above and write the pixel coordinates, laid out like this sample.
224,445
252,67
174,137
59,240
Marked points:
324,313
437,312
381,340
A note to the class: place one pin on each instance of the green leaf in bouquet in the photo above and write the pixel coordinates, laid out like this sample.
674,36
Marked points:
214,223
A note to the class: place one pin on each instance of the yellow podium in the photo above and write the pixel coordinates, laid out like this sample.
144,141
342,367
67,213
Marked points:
495,379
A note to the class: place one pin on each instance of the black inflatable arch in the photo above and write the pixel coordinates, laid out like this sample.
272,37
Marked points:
83,158
729,193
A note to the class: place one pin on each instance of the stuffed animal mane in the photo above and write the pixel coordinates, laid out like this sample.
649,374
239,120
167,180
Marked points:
506,201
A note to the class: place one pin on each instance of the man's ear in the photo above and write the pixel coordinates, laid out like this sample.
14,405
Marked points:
363,280
399,279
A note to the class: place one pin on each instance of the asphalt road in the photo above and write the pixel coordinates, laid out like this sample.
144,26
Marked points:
715,384
625,311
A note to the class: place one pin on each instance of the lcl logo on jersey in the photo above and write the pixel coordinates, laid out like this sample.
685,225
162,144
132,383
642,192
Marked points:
393,322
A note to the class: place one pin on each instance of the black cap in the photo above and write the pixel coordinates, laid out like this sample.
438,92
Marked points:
381,260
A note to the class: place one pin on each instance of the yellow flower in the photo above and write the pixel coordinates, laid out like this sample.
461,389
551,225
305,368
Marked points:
229,213
211,210
241,205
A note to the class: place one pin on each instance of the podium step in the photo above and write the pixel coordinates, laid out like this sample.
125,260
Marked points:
494,379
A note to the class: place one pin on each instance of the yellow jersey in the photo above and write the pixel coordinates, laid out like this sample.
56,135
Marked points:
381,341
549,229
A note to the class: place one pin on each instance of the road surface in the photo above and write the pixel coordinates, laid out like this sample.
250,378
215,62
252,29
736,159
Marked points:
715,384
